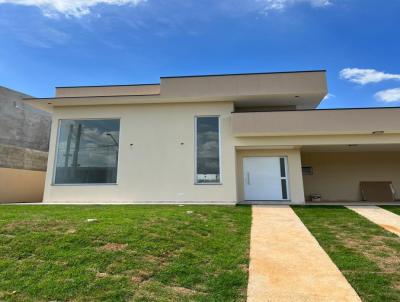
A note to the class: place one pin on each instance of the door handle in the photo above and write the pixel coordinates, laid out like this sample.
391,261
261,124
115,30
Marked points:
248,178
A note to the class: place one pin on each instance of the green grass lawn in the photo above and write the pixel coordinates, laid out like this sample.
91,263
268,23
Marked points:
367,255
394,209
131,253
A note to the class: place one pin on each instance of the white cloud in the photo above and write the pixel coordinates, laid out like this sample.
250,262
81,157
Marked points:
389,95
270,5
79,8
69,8
329,96
366,76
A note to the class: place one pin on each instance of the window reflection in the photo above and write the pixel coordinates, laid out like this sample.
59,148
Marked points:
207,153
87,151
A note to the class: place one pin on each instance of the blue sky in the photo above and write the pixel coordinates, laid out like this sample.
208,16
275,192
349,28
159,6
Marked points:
48,43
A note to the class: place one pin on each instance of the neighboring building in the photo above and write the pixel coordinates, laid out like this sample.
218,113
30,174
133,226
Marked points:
215,139
24,143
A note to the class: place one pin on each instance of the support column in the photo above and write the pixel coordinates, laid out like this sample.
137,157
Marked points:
296,177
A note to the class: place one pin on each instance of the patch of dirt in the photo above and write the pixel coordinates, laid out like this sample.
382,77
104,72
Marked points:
61,263
141,276
151,259
244,268
136,279
101,275
114,247
13,226
37,225
7,235
183,290
202,217
154,221
373,250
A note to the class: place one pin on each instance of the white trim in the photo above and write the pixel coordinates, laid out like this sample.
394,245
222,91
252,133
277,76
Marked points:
219,151
53,183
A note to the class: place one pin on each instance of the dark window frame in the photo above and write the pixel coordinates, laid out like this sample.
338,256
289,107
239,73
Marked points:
284,166
56,153
196,182
307,170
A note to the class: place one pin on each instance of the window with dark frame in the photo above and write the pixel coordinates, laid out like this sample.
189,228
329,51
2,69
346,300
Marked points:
87,151
207,150
282,163
307,170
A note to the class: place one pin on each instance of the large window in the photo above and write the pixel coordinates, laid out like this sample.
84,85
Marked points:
87,151
207,149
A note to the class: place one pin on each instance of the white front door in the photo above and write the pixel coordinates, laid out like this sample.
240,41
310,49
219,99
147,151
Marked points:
265,178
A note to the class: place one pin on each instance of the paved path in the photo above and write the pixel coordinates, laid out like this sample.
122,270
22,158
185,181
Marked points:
386,219
288,264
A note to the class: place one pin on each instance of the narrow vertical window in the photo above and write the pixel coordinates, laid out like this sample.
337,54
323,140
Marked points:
87,151
283,167
284,183
207,149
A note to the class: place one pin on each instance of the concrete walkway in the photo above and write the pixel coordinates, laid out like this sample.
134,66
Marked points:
386,219
288,264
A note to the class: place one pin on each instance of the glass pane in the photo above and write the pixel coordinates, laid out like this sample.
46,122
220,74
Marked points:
207,138
282,165
307,170
284,188
87,151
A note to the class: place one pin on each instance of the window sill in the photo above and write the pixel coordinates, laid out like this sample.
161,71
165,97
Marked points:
208,183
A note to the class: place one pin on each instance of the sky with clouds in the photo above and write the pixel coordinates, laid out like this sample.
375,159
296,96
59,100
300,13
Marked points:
48,43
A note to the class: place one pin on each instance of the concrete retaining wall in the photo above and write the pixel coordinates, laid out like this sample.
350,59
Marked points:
22,158
22,125
24,142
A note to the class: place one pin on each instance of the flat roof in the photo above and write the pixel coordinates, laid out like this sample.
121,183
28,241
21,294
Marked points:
119,85
320,109
196,76
245,89
241,74
92,96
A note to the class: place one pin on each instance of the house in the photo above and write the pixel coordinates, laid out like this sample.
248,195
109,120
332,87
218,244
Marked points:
215,139
24,143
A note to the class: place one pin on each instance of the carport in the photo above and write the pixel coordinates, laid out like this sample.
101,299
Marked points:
334,172
337,149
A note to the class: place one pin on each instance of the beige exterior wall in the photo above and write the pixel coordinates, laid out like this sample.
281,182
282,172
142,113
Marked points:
317,140
157,119
311,85
18,185
296,192
337,174
316,122
157,168
107,90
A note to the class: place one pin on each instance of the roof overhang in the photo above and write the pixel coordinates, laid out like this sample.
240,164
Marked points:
305,90
371,121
